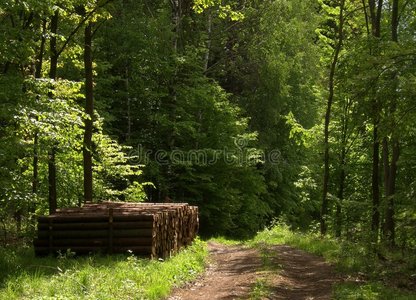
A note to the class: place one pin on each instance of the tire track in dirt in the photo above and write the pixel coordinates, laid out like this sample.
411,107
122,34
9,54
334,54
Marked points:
233,271
304,276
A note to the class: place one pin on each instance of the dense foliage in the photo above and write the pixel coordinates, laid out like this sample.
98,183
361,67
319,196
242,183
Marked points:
252,110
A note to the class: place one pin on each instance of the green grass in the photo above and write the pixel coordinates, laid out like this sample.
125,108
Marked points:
350,259
260,290
369,291
23,276
226,241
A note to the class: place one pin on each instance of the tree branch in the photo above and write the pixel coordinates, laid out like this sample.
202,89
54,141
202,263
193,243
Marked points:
71,35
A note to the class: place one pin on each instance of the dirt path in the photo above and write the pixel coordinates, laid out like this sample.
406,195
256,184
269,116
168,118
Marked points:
303,276
234,270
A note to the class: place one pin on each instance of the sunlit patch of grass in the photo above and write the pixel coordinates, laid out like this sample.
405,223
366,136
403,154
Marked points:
98,277
369,291
312,243
226,241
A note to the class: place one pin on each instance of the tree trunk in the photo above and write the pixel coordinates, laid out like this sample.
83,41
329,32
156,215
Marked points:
52,180
208,44
395,21
324,206
176,21
38,74
342,175
375,216
35,179
338,213
52,152
129,122
375,16
390,173
89,110
127,77
390,168
389,224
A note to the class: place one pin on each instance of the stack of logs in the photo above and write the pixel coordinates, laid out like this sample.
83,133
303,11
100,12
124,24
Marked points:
154,230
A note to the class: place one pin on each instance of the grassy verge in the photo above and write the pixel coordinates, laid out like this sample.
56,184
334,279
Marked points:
23,276
371,278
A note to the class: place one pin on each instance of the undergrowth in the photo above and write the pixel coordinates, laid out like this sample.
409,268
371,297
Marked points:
23,276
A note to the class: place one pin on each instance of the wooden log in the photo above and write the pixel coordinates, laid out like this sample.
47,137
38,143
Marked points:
107,204
133,218
110,231
162,227
79,218
72,226
95,225
82,250
140,232
70,218
65,234
134,241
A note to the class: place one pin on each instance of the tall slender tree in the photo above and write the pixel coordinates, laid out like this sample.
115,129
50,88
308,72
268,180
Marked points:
375,8
89,110
52,75
330,100
390,160
38,74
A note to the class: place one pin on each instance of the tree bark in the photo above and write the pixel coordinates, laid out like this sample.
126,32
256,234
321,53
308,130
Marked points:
38,74
375,215
390,168
208,44
52,152
395,21
129,122
324,206
390,173
338,213
389,224
176,21
375,16
89,110
342,175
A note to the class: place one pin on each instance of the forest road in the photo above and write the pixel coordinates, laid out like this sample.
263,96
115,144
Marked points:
282,272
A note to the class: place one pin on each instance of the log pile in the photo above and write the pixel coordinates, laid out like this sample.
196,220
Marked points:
154,230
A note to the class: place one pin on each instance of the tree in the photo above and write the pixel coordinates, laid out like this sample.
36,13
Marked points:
390,163
52,75
331,87
89,110
375,19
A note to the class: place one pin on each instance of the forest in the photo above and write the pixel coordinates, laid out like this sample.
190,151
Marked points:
289,111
